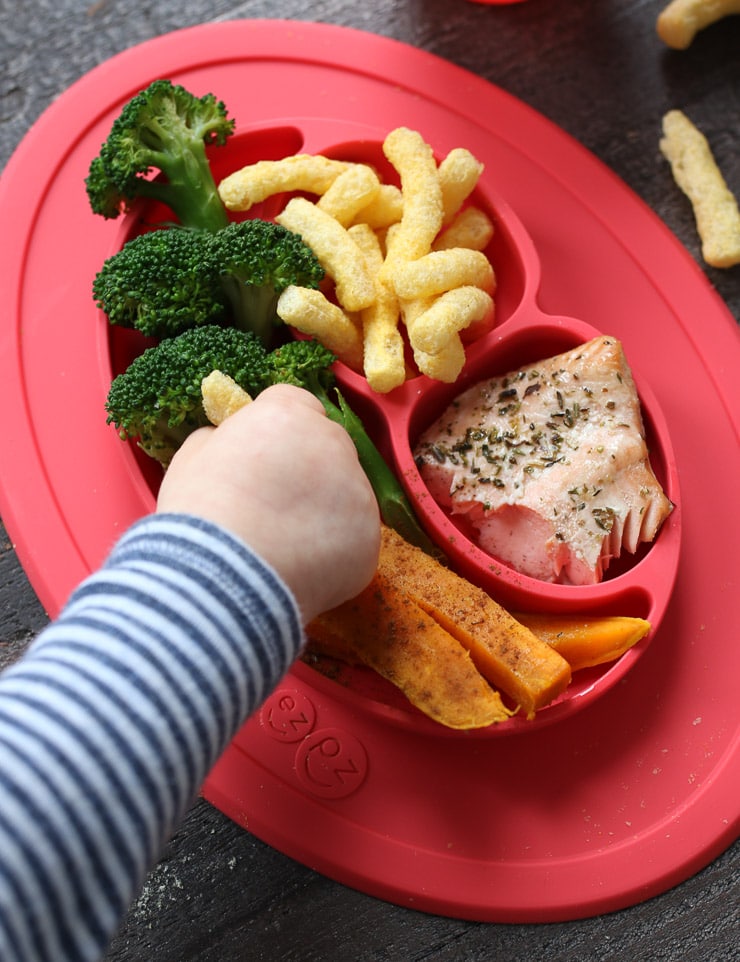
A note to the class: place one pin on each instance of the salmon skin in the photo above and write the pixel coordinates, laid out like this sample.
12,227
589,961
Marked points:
549,465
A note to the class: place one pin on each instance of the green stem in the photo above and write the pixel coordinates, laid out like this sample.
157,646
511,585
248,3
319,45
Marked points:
189,190
395,508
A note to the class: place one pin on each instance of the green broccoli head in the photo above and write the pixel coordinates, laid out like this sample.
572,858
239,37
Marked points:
256,260
164,129
157,400
105,198
161,283
172,279
303,363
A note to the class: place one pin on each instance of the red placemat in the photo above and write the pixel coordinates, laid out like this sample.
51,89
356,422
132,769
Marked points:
598,811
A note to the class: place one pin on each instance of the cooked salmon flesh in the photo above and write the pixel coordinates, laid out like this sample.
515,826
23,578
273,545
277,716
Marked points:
549,465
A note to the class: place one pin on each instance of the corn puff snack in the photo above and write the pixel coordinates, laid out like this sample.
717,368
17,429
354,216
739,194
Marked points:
697,174
313,314
310,173
383,351
681,20
222,397
405,263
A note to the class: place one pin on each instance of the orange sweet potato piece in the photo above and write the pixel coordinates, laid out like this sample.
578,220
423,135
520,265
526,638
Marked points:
507,653
583,641
385,630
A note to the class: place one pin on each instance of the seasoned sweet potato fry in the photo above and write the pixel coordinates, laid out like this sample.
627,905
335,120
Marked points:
583,641
507,653
387,631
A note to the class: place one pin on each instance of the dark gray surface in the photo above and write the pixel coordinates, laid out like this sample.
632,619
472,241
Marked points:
597,69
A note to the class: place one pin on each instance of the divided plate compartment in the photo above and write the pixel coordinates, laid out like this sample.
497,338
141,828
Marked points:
638,585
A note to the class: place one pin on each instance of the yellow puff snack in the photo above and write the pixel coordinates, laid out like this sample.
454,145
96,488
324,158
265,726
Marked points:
440,271
423,210
222,397
697,174
384,209
681,20
313,314
447,316
311,173
446,365
352,191
384,364
458,175
335,250
471,228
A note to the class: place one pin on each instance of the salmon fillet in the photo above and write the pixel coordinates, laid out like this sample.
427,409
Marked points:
549,465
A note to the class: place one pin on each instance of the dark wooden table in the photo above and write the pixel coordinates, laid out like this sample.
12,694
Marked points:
596,68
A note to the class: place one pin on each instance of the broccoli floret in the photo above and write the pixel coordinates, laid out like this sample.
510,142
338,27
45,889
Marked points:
303,363
157,400
307,364
256,261
161,283
105,198
163,129
169,280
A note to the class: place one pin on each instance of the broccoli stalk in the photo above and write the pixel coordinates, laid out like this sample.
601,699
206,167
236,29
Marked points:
163,128
169,280
307,364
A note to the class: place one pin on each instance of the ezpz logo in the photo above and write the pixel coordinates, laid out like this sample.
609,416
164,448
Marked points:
288,716
329,762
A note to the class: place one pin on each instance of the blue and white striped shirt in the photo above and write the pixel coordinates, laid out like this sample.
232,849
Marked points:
112,719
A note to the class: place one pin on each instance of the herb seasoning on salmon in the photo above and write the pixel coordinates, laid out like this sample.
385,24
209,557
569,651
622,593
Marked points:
549,465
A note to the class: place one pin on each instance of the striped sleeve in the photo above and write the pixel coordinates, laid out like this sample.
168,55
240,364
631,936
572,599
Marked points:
112,719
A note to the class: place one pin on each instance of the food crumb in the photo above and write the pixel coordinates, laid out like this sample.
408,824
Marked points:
161,887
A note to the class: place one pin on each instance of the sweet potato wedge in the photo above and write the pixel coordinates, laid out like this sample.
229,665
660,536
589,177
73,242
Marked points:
506,653
585,642
384,629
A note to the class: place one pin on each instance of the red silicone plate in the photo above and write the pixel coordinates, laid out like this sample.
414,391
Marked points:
639,586
612,804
